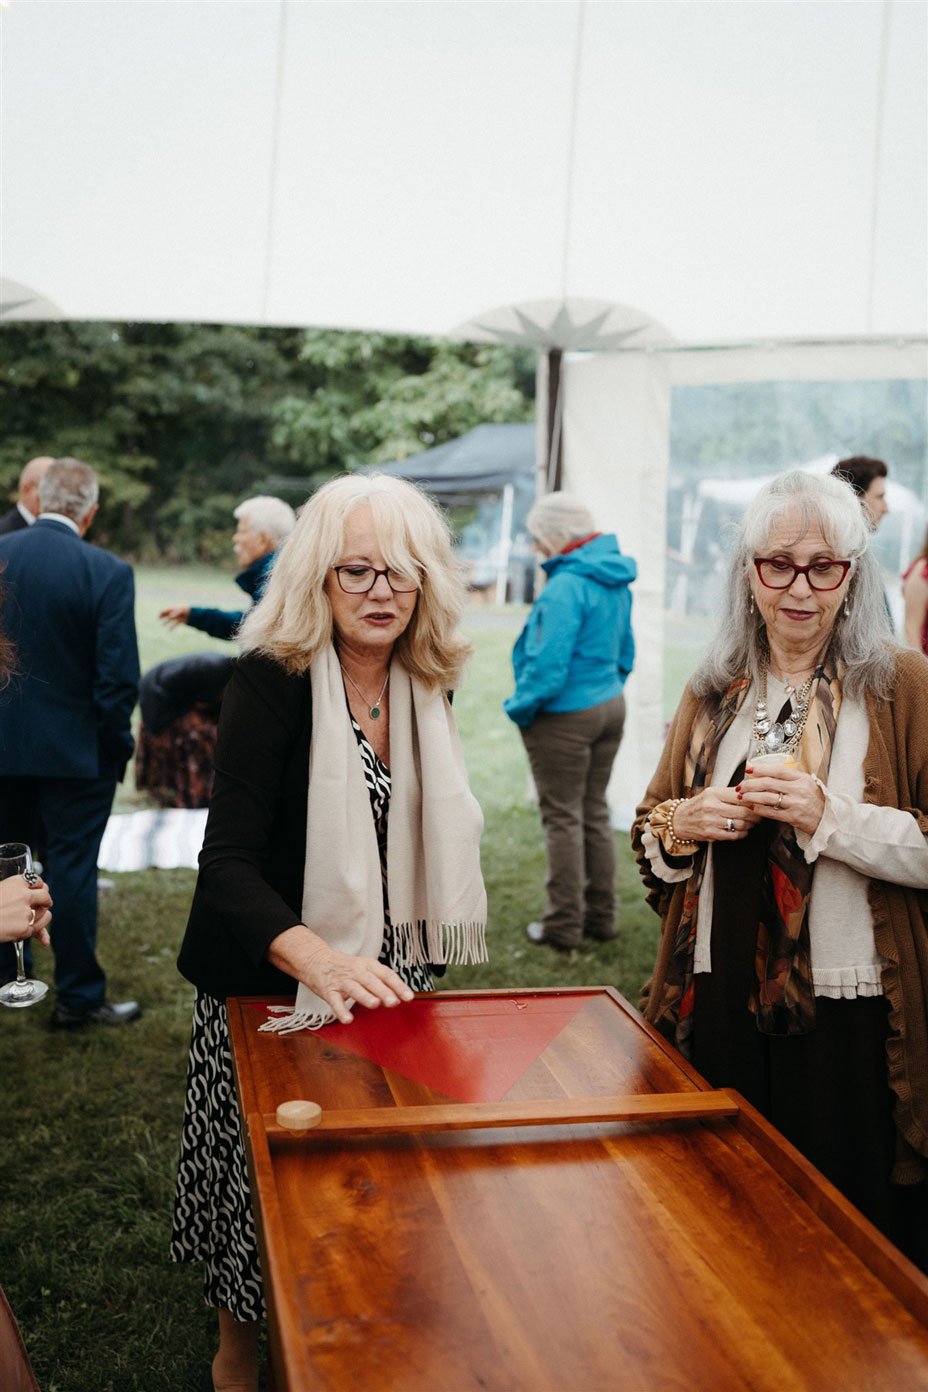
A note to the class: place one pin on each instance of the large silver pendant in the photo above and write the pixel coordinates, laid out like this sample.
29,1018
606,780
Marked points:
775,739
375,712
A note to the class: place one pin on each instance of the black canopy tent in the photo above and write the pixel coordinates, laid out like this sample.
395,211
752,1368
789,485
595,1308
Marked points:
490,461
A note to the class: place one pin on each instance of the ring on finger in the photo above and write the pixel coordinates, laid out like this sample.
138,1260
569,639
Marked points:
729,824
779,802
32,918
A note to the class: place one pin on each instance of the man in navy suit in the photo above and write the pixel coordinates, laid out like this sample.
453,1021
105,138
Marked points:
65,737
26,508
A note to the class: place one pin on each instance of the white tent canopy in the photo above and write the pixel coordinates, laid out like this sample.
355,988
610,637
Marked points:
739,170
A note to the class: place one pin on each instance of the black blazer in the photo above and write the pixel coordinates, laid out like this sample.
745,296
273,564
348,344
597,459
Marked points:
69,610
12,521
250,885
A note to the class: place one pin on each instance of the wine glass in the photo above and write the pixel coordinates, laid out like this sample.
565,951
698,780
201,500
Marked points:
16,859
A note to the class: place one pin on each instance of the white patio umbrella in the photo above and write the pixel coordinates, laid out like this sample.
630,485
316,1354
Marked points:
554,327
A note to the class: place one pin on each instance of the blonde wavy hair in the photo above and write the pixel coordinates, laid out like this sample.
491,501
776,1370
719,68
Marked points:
293,620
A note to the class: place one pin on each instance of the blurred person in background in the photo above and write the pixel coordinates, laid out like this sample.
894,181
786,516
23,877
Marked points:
25,909
65,736
264,523
179,700
867,477
571,662
26,508
915,594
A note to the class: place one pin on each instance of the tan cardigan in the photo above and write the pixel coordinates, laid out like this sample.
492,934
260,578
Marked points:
895,775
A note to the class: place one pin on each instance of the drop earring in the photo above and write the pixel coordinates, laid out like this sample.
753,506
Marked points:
847,606
751,603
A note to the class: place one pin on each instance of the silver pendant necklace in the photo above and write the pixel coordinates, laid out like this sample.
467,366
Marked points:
373,710
782,737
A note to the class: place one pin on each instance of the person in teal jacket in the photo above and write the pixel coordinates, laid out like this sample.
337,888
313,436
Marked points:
571,662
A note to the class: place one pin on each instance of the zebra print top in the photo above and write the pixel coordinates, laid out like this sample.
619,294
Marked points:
379,784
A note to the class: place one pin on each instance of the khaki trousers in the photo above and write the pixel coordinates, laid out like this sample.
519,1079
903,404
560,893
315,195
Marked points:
571,755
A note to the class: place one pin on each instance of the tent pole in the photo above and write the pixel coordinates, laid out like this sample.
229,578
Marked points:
555,460
505,544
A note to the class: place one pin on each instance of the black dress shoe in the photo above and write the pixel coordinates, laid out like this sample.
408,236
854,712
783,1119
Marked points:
110,1013
535,933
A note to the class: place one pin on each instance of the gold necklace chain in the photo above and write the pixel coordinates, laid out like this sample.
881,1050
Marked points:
373,710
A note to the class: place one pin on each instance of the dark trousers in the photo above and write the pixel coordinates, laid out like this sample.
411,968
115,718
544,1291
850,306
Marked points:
571,754
827,1091
66,817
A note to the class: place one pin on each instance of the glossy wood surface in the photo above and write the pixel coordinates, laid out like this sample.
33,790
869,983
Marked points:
563,1256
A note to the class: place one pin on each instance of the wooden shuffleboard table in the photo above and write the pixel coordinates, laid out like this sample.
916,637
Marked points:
531,1191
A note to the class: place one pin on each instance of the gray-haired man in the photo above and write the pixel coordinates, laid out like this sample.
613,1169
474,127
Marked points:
69,610
264,523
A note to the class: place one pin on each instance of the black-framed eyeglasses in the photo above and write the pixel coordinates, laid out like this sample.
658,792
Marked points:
777,574
358,579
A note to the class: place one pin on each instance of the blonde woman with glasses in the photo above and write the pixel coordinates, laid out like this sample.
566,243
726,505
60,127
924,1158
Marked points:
336,722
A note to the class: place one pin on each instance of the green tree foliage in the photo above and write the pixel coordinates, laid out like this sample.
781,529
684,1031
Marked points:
183,420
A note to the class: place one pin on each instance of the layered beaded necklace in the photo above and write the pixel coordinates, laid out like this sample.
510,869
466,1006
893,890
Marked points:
782,737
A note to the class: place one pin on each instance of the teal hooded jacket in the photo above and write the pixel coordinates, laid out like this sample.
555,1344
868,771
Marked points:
576,649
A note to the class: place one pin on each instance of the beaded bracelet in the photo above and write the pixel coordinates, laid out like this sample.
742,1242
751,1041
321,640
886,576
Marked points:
663,826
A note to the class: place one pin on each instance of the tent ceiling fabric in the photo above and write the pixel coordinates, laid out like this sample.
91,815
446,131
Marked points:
740,170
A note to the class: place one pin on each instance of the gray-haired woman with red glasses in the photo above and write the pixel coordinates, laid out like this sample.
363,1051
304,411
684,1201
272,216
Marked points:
783,843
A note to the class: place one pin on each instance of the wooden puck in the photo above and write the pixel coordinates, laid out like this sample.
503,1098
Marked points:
299,1115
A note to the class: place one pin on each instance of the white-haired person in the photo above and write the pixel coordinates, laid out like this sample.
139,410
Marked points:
264,523
571,662
783,842
336,721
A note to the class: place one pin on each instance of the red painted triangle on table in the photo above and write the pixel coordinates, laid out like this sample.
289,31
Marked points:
470,1050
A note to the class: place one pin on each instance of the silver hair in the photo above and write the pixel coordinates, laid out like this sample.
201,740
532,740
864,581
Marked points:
861,636
272,516
68,486
559,518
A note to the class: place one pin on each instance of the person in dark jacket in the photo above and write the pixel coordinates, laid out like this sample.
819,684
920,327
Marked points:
65,732
335,722
571,662
26,508
179,700
263,526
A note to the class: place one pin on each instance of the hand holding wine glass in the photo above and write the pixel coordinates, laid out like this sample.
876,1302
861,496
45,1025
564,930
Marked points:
25,905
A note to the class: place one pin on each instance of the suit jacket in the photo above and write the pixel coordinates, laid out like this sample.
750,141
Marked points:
69,609
12,521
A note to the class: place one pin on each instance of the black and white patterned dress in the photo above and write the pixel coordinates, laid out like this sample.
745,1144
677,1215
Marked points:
213,1222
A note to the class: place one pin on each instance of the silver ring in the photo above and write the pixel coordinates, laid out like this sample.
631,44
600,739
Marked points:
729,824
779,801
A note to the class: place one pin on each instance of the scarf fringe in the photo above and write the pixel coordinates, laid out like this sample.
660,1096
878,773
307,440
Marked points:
423,943
286,1020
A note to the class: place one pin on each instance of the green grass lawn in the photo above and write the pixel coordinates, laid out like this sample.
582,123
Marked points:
91,1123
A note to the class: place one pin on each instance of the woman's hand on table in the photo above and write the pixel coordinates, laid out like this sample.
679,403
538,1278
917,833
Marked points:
24,910
785,795
336,976
714,814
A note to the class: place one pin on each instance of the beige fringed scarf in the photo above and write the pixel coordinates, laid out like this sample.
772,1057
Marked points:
438,905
